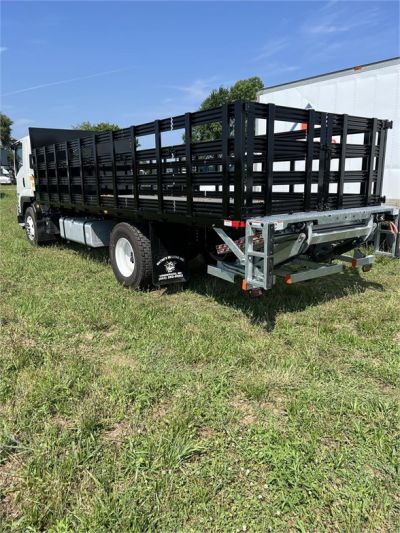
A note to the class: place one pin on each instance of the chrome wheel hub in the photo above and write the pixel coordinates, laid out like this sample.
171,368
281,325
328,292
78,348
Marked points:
30,228
124,257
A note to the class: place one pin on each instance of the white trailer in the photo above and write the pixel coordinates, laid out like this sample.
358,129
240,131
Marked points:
371,90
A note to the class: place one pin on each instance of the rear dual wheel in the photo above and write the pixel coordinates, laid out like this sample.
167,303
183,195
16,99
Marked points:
130,254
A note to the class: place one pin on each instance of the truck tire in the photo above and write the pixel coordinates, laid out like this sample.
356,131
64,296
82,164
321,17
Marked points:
33,232
130,255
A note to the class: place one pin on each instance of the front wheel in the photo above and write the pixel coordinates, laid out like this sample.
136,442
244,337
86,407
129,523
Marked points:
130,255
33,233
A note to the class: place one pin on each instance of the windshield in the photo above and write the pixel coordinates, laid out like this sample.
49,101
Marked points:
18,157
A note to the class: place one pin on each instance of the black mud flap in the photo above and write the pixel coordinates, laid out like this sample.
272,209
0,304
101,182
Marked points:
169,261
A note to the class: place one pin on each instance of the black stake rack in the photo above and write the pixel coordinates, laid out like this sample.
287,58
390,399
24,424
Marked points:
263,159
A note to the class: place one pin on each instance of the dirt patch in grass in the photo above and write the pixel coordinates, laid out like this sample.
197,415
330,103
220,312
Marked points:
246,409
162,409
206,433
13,337
118,432
8,488
386,388
240,404
110,358
251,410
62,422
275,406
110,332
247,420
331,443
123,360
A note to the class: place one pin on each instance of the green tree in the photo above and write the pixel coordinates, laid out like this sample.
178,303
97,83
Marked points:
5,130
241,90
100,126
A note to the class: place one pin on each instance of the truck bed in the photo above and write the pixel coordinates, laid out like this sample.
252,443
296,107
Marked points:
299,163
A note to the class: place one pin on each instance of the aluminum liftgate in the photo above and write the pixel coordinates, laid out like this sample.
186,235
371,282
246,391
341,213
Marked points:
270,242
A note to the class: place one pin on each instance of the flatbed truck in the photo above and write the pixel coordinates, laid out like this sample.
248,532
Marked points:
281,204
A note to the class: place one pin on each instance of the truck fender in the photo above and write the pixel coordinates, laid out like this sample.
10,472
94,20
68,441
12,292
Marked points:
24,203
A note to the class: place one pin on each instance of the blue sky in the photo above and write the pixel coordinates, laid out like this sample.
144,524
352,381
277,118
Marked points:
132,62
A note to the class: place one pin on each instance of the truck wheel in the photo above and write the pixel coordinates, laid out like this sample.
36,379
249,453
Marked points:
130,254
31,227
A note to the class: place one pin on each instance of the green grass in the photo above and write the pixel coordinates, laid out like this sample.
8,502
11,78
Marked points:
194,409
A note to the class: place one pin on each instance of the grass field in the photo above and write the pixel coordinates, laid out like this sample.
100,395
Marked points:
194,409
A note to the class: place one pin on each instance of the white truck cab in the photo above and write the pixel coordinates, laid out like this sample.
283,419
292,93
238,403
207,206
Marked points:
24,176
39,225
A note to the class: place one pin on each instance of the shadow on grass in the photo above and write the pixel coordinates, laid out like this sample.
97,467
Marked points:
99,255
282,298
264,310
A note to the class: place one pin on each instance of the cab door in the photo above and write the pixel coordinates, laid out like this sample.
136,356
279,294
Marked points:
24,173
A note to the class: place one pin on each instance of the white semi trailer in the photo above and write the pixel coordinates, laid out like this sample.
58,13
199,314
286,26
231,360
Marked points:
371,90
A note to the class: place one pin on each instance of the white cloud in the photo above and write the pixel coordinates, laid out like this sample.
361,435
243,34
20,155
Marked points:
337,19
70,80
273,69
272,48
328,5
325,51
278,73
197,90
21,122
288,68
326,28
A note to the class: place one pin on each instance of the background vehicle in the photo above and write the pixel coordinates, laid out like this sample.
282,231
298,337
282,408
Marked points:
276,204
366,90
6,177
